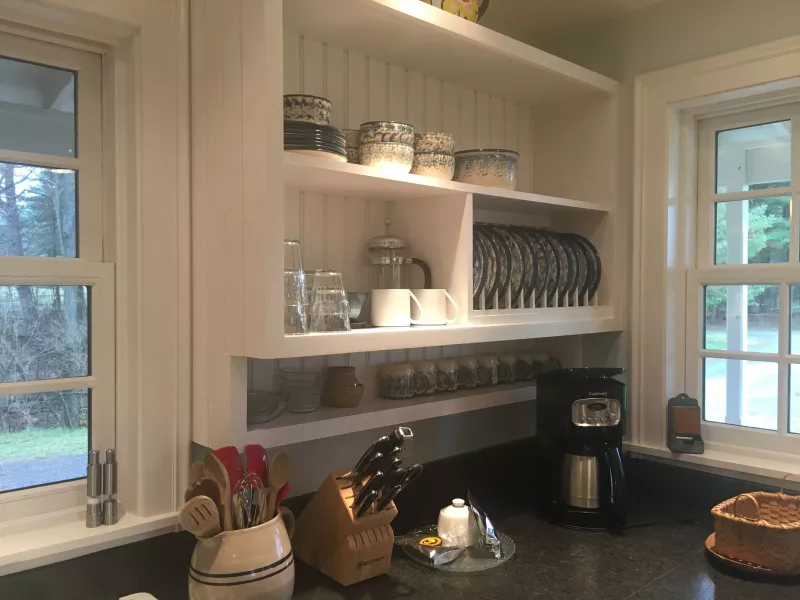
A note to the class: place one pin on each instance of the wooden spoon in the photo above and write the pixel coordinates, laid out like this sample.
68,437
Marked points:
278,477
216,471
200,517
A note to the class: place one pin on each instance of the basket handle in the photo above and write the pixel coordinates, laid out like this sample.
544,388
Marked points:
755,503
785,477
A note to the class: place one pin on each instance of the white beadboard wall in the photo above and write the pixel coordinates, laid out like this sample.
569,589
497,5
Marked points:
333,229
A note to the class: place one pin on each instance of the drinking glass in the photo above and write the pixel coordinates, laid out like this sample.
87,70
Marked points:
330,310
295,303
291,256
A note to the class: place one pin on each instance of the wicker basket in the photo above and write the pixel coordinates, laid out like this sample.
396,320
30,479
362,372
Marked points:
760,528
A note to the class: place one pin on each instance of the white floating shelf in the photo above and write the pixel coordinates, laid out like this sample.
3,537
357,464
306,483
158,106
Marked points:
378,412
319,175
539,323
423,38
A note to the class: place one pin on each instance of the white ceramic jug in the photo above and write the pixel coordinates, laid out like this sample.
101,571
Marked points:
245,564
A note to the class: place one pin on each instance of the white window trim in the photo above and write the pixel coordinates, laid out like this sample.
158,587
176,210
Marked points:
667,106
146,170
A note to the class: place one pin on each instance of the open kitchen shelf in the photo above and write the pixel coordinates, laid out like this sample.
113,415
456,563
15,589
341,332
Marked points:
344,179
545,322
373,413
423,38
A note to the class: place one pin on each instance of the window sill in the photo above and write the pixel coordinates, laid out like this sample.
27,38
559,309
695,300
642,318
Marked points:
763,467
57,541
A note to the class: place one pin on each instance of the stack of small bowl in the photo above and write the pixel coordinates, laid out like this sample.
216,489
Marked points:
387,145
433,155
307,130
353,139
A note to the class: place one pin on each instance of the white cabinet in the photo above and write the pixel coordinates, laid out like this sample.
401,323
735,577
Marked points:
377,59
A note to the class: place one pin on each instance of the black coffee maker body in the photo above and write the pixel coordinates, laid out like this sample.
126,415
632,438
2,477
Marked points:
580,424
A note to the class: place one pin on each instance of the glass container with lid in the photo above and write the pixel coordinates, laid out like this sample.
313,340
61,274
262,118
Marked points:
388,265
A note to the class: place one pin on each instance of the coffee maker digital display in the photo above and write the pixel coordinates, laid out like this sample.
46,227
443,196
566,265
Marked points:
580,424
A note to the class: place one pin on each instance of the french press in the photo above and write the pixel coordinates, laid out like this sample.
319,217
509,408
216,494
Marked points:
388,266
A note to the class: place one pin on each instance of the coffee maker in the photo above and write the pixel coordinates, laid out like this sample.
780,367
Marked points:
580,424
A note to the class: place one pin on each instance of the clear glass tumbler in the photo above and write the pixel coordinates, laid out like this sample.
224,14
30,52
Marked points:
330,310
291,256
295,303
303,389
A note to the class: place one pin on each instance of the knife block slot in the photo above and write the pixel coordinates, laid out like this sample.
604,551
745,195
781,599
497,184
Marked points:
329,537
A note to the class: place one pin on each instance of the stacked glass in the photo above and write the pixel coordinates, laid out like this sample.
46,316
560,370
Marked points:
295,296
330,310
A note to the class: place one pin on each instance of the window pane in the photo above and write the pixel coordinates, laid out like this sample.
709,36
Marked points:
44,332
794,399
742,318
754,156
752,231
794,297
37,211
37,108
740,392
44,438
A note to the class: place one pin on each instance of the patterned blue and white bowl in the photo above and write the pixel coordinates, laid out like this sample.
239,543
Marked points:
489,167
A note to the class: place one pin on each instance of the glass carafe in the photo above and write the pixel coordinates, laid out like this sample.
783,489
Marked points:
388,267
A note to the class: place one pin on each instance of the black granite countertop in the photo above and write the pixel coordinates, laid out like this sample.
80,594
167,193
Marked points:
659,556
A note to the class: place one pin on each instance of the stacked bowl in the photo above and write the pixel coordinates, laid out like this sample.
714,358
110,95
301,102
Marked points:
387,145
353,139
433,155
307,130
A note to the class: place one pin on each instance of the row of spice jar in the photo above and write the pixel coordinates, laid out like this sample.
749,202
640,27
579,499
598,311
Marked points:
426,377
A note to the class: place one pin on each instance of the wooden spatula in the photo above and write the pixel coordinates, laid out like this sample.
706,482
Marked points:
216,471
200,517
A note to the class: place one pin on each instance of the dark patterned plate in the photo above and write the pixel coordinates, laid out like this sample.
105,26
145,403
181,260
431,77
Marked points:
585,266
554,267
503,253
490,285
595,263
564,274
478,269
572,255
541,265
528,266
517,273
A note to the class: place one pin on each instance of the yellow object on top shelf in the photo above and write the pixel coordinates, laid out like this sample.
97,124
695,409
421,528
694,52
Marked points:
471,10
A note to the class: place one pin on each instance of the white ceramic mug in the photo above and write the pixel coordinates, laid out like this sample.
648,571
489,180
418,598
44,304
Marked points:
247,563
434,307
391,308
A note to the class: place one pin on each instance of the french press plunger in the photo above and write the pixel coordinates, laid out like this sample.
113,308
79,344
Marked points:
387,266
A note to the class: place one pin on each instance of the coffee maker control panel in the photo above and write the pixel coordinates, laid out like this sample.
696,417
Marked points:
596,412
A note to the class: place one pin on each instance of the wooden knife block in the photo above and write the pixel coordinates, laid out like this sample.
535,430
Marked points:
329,538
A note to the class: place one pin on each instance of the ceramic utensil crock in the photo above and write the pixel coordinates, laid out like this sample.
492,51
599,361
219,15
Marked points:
245,564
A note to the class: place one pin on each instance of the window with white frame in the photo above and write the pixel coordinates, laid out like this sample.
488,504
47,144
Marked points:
743,308
56,279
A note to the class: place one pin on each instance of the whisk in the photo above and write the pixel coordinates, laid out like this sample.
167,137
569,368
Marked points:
249,502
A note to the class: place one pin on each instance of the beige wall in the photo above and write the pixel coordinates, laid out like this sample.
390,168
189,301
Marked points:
674,32
660,36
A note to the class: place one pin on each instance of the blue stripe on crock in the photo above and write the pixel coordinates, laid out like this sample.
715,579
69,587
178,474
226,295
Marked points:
232,583
243,573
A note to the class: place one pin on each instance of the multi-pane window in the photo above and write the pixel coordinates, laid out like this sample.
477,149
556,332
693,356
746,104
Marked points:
56,284
743,310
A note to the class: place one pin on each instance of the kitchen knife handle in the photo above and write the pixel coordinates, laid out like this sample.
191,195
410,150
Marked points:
366,503
375,483
386,499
